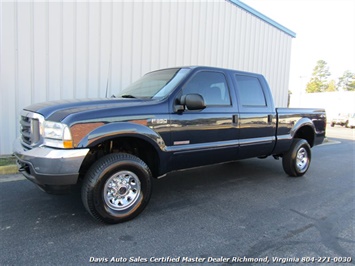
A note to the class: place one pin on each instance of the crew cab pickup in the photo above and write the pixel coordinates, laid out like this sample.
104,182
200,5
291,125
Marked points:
168,120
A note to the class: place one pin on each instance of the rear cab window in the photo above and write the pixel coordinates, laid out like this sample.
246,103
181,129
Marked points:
250,93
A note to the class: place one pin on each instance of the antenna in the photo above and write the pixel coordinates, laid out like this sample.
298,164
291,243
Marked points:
106,87
108,75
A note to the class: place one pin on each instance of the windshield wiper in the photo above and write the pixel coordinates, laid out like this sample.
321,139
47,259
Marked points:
127,96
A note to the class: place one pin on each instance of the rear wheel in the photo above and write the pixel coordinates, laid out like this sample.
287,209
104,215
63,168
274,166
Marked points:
117,188
297,160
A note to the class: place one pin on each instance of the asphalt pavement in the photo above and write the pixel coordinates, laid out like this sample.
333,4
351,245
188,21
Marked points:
247,211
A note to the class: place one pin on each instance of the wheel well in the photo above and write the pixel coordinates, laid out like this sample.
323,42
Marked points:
307,133
135,146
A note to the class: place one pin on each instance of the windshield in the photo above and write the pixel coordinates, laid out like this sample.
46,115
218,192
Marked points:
155,85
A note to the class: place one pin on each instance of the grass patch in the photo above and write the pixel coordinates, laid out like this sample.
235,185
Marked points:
10,160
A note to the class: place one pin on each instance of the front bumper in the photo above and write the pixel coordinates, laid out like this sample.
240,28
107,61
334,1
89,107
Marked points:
47,166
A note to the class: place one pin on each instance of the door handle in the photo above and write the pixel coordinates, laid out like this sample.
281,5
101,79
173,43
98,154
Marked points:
269,119
235,119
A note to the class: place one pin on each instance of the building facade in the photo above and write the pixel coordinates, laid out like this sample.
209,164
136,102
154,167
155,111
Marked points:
62,50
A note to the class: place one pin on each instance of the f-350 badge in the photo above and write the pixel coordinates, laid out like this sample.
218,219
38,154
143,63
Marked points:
159,121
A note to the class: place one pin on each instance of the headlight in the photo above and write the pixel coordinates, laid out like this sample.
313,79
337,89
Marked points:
57,135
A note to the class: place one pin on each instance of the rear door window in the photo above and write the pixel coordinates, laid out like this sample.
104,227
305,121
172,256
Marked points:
251,93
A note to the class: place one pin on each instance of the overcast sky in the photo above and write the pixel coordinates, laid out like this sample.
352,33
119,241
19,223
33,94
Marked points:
325,29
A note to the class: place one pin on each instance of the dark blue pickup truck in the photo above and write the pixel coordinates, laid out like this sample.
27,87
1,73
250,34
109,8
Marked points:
168,120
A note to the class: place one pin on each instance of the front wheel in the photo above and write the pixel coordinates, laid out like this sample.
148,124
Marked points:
297,160
117,188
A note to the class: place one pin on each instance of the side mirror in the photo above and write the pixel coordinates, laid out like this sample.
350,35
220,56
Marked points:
193,101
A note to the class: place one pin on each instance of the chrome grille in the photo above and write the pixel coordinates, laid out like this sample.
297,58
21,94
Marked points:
26,129
30,128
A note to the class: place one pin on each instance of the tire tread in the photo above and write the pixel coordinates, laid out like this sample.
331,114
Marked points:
94,172
288,163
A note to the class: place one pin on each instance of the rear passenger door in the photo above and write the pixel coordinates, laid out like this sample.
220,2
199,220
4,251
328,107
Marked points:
257,117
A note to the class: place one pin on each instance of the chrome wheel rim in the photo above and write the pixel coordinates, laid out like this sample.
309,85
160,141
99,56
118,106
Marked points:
122,190
302,160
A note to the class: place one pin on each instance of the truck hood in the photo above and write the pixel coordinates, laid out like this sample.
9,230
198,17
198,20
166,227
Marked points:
58,110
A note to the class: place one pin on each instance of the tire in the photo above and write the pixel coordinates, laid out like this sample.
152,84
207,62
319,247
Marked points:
117,188
332,124
298,159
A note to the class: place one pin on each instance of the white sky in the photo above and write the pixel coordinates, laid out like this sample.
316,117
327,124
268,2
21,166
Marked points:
325,29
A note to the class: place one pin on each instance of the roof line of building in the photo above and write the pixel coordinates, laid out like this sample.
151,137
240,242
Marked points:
263,17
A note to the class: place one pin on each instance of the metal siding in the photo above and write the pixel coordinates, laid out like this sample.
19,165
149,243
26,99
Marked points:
105,52
68,50
61,50
55,58
81,57
41,53
8,75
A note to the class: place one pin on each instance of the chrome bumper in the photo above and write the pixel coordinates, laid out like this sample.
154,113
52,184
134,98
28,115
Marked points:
49,167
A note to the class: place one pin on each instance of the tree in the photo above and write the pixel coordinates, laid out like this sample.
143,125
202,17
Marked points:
332,86
347,81
319,80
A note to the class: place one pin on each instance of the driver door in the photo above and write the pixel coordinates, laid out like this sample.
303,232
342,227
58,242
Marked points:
209,135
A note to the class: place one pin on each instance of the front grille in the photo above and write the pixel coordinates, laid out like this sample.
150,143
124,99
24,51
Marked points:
26,129
30,128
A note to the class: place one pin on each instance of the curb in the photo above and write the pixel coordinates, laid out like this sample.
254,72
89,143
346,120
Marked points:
8,169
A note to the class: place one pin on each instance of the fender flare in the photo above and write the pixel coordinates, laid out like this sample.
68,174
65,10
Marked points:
302,123
122,129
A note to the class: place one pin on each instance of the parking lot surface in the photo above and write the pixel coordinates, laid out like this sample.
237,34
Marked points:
214,215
